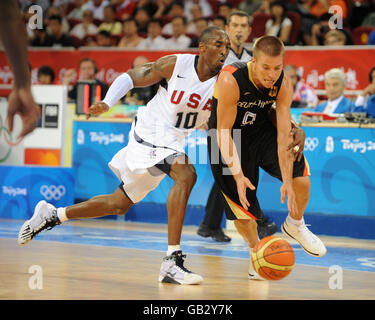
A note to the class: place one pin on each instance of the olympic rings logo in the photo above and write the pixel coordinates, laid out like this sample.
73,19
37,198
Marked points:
311,144
52,192
4,133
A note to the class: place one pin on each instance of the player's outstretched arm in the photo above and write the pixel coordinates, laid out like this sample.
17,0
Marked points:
284,139
228,95
146,75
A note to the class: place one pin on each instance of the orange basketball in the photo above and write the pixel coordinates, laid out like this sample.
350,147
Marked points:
273,258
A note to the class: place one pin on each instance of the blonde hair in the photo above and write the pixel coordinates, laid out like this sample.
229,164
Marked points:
269,45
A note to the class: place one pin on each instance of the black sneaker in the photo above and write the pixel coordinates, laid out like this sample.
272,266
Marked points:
266,228
219,236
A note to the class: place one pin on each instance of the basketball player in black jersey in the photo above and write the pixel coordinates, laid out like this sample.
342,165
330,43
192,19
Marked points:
245,139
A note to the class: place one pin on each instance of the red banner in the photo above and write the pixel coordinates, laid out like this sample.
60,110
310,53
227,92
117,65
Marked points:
312,63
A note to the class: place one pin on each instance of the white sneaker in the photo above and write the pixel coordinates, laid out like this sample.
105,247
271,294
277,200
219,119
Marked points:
252,274
173,271
45,216
308,241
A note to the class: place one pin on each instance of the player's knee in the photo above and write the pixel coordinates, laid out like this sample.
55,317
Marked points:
187,177
119,204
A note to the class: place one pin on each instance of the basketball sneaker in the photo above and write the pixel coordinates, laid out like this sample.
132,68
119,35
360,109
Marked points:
173,271
45,216
308,241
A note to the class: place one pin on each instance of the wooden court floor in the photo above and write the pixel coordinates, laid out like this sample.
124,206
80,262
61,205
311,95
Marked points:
85,272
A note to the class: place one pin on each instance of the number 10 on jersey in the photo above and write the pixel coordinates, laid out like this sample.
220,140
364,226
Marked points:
186,120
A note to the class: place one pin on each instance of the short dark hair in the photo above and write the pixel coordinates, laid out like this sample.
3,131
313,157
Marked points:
269,45
46,70
238,13
206,34
155,20
184,20
55,17
104,33
89,60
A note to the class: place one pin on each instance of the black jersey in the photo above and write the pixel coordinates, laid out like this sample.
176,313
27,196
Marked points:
253,104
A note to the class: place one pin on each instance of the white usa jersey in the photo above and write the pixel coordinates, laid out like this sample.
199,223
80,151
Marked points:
180,105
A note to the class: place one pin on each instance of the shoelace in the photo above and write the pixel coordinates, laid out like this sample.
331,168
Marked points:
48,224
179,259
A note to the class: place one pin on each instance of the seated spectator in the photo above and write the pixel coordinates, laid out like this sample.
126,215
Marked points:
225,9
140,96
304,96
124,8
97,7
46,75
179,40
57,11
196,13
148,5
77,12
109,21
177,10
219,21
164,6
365,102
41,38
59,38
86,27
87,71
131,38
334,38
142,18
204,6
102,39
279,25
334,80
319,7
154,40
200,25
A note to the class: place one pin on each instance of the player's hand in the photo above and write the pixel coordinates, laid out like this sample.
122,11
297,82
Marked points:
97,109
298,143
287,191
21,102
242,184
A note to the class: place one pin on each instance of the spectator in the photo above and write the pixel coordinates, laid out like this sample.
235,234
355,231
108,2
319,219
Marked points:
140,96
41,38
86,27
124,8
87,71
109,21
225,9
154,40
57,11
196,13
102,39
177,10
59,38
279,25
97,7
131,38
179,40
304,95
164,6
334,38
46,75
44,4
365,102
219,21
200,25
203,4
77,12
335,85
149,5
142,18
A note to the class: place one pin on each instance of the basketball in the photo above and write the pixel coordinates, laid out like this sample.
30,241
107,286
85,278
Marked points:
273,258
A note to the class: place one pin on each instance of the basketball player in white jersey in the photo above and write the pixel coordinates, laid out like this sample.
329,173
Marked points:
156,146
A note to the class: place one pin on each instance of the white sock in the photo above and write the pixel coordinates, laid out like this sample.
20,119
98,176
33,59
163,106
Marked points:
172,249
294,221
61,214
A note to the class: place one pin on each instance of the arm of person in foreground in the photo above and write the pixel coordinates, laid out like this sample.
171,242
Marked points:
14,38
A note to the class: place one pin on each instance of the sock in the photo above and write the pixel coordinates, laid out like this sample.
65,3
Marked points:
62,215
172,249
294,221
